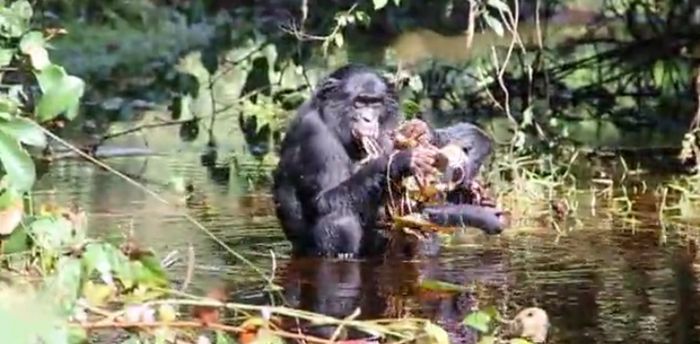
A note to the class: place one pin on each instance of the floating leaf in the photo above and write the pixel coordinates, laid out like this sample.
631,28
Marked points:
378,4
25,131
16,163
494,24
436,285
479,321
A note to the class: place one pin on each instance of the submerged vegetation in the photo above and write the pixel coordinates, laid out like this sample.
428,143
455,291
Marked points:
589,120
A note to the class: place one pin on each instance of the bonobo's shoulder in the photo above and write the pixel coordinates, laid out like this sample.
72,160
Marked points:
463,129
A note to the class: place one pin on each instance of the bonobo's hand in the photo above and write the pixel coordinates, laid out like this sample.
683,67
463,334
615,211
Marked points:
416,161
417,130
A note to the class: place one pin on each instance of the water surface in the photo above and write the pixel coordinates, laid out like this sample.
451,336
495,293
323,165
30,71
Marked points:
606,282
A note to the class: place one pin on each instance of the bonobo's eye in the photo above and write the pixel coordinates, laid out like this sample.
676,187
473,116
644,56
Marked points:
367,101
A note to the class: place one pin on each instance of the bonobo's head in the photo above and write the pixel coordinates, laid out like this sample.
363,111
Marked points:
357,103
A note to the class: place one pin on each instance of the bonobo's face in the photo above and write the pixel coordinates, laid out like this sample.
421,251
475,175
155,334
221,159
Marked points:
360,107
368,105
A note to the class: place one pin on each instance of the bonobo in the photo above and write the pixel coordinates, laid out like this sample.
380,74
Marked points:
327,189
462,209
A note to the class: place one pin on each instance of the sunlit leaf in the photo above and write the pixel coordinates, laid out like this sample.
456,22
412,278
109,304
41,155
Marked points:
6,56
23,9
97,258
65,284
378,4
34,45
519,341
494,24
441,286
51,233
97,294
487,340
527,117
415,83
25,131
17,163
17,242
499,5
223,338
61,93
267,337
167,312
338,38
436,333
11,211
479,321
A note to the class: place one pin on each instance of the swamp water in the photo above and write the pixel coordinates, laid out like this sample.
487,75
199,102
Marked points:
608,281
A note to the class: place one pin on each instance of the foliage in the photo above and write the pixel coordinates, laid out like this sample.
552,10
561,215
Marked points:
23,57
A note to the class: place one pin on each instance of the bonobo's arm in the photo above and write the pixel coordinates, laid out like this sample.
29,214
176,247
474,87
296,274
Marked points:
329,177
472,139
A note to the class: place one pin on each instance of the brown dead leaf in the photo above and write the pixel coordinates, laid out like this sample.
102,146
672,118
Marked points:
11,216
207,314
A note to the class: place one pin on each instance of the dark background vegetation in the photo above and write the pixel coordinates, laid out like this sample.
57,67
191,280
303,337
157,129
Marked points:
591,74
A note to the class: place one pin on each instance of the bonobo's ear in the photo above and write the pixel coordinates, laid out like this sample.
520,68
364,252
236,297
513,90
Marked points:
325,87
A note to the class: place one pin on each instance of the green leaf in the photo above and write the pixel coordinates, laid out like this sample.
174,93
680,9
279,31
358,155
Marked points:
437,334
266,337
223,338
25,131
34,45
499,5
378,4
494,24
478,320
51,234
64,286
30,41
17,242
61,92
338,38
441,286
528,118
519,341
6,56
23,9
96,258
487,340
16,163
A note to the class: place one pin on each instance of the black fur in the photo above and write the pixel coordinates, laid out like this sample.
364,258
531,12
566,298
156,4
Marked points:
326,203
